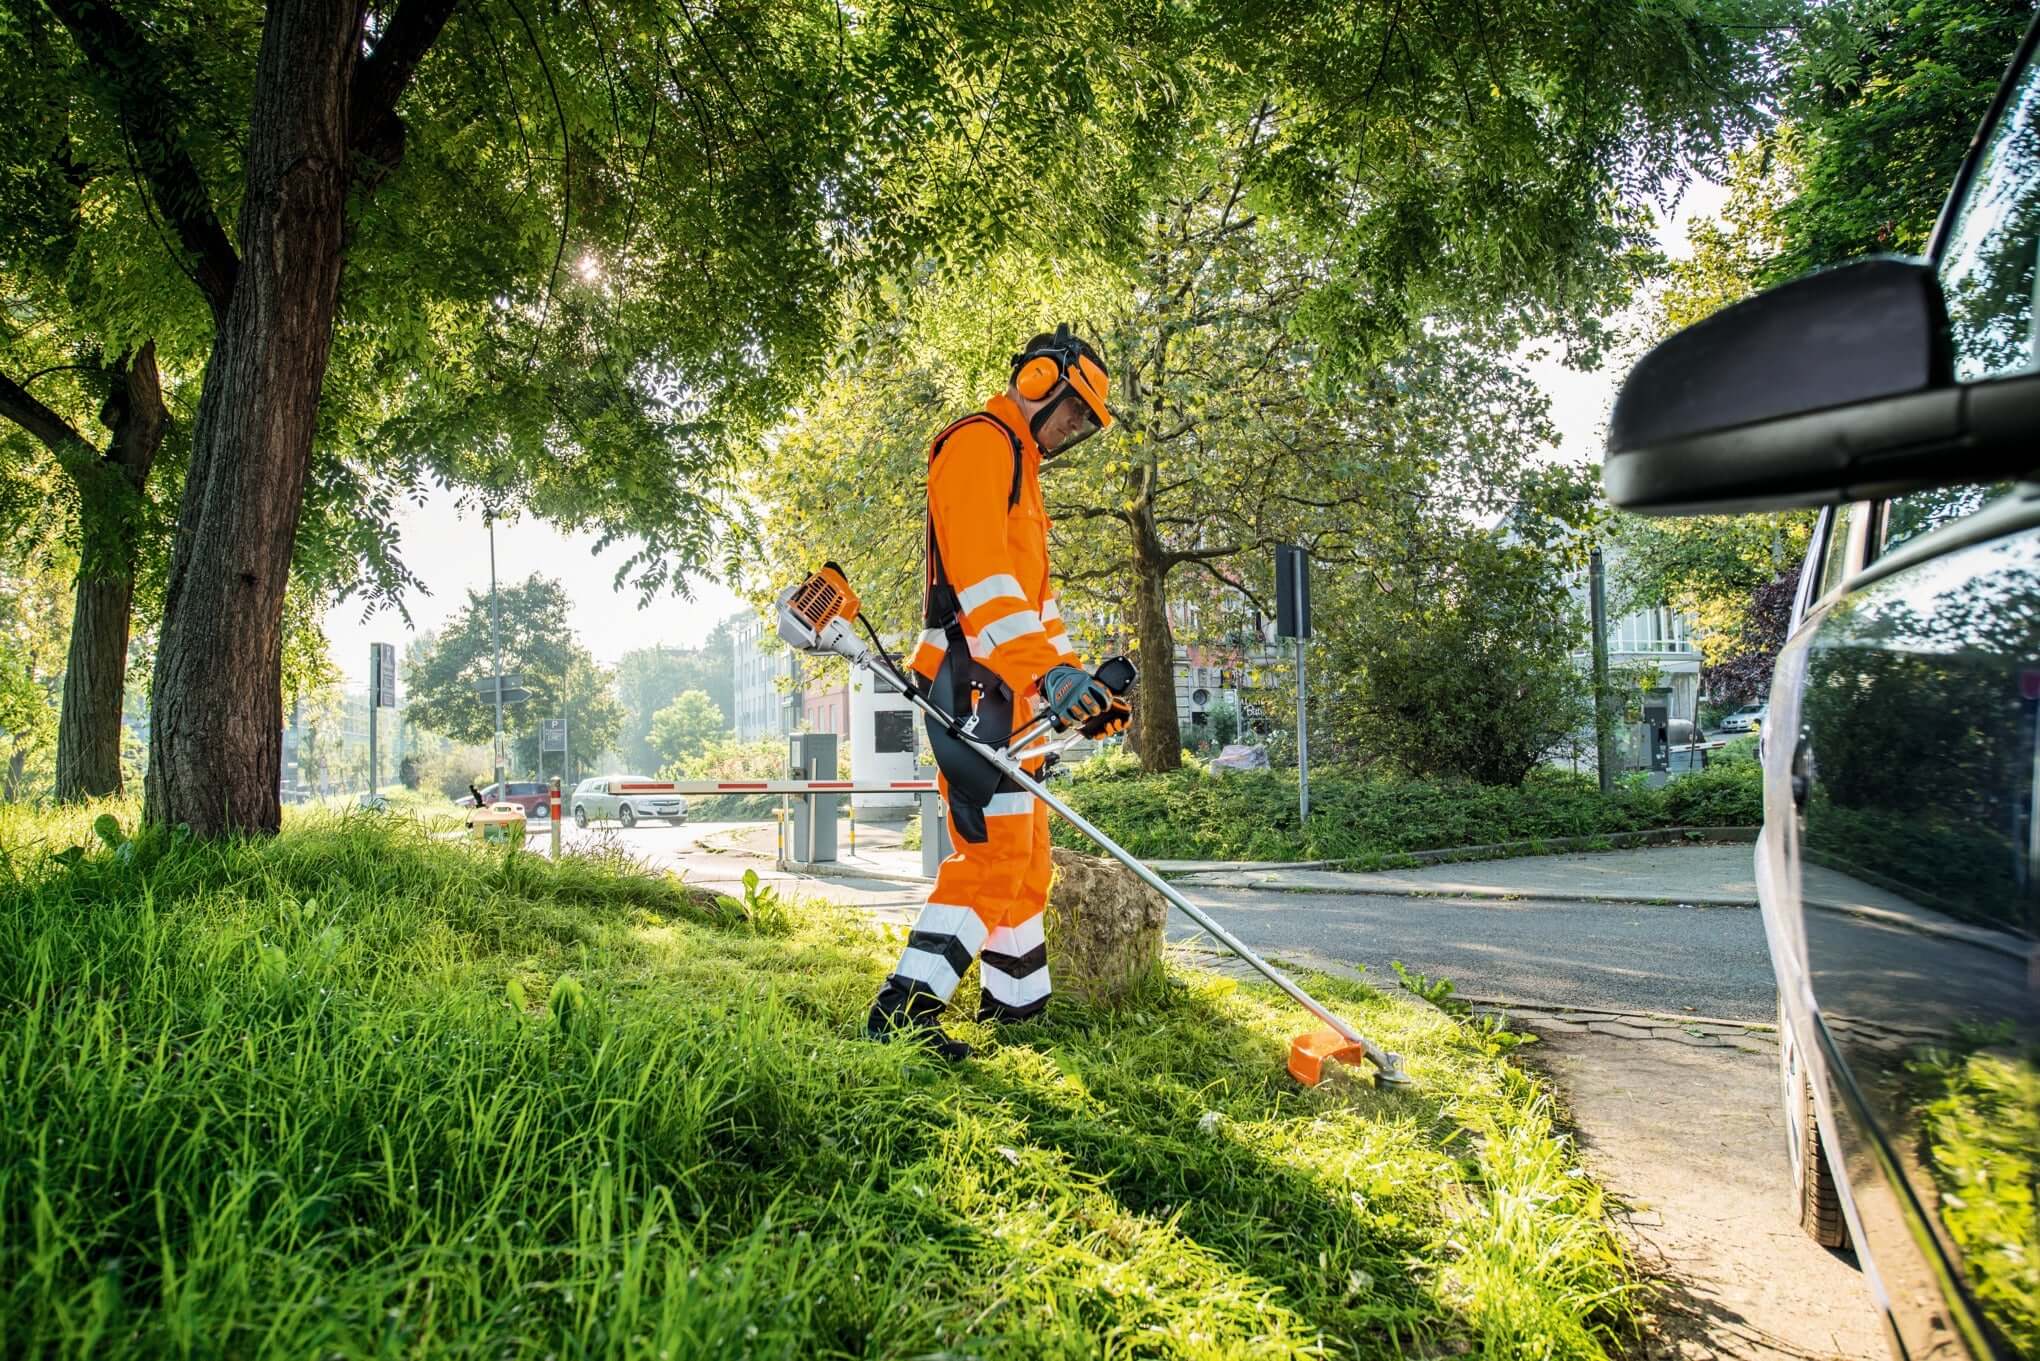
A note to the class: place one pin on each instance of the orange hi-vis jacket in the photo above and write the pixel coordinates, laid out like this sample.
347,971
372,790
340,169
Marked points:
988,544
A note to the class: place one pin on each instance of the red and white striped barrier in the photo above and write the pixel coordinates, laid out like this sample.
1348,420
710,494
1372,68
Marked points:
773,787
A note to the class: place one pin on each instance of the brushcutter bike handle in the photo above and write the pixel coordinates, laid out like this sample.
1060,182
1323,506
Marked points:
1116,674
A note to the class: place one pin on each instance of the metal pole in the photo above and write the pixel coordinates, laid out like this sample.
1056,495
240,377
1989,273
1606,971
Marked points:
374,766
496,641
1302,741
1604,735
553,808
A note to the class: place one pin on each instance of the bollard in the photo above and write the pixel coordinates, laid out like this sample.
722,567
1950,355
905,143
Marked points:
779,816
852,814
553,795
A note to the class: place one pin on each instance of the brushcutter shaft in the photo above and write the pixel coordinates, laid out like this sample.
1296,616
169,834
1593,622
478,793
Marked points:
1389,1065
1192,911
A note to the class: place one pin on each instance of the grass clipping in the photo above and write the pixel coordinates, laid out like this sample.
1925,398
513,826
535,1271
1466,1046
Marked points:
350,1092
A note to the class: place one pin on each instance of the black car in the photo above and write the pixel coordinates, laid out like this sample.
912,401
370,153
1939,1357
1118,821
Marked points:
1899,865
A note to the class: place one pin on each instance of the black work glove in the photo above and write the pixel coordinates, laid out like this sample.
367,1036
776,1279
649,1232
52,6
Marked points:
1112,722
1073,695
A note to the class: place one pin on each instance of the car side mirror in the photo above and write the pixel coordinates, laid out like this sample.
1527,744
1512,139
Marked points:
1835,387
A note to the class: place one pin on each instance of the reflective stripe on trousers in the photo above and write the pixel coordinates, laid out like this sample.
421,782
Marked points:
986,905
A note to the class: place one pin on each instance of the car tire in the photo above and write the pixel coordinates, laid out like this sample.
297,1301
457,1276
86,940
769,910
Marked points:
1814,1185
627,816
580,816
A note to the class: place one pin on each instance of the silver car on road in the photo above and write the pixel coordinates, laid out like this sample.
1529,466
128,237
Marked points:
628,799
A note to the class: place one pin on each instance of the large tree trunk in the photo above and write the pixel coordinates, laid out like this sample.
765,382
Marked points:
1155,734
215,749
110,502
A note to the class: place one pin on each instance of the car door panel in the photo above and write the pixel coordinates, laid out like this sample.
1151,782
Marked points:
1903,844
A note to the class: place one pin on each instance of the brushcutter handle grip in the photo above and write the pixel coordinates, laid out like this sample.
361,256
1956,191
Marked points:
1116,674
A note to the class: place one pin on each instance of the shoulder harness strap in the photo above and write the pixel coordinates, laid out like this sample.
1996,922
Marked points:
939,607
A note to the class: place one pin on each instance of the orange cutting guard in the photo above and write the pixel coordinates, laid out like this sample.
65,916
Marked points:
1309,1052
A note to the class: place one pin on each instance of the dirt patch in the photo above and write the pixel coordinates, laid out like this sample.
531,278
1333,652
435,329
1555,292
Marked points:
1690,1140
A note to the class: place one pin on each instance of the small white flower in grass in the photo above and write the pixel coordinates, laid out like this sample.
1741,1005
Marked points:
1010,1155
1209,1122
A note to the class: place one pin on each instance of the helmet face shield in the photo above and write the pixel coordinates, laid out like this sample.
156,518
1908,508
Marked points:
1088,379
1063,422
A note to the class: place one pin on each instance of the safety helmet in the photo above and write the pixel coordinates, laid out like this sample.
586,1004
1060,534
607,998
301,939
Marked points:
1058,369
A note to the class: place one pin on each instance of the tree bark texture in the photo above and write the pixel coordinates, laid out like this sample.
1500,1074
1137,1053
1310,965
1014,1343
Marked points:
1155,736
110,503
217,710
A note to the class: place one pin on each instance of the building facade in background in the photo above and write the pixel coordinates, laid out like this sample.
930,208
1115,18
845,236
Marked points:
1651,647
766,700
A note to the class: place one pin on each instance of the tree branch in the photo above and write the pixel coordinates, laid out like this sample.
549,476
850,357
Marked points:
122,58
1218,576
1086,513
384,74
56,433
1183,555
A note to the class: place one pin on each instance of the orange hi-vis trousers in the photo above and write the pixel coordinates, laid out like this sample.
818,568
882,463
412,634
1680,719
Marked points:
986,905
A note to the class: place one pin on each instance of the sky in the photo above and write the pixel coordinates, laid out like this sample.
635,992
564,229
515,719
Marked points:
449,550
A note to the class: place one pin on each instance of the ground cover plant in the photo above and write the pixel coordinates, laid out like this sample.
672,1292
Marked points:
355,1092
1369,820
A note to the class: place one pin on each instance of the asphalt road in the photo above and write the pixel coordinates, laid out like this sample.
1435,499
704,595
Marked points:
1709,961
1706,961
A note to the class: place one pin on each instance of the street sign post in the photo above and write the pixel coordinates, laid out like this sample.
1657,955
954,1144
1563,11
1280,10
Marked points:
1292,620
382,694
514,689
552,736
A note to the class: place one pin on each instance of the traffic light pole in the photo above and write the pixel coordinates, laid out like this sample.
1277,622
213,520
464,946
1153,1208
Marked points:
496,641
1302,741
1604,735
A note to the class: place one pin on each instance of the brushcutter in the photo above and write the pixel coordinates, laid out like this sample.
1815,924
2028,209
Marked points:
816,616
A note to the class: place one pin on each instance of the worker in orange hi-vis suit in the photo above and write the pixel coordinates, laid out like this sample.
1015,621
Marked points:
995,643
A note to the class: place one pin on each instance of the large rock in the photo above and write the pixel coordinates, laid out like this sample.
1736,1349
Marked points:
1104,928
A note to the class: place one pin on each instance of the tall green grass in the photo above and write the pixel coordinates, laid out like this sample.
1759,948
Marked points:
351,1092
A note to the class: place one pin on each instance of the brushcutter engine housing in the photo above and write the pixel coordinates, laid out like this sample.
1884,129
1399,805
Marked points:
815,616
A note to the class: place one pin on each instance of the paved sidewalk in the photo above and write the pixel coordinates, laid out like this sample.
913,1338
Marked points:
1714,876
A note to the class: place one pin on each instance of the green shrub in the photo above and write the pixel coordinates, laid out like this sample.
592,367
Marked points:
1730,794
1365,818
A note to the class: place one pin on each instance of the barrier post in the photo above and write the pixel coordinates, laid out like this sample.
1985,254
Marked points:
852,814
553,806
779,816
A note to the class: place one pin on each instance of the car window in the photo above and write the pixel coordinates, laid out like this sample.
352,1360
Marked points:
1921,512
1986,261
1834,557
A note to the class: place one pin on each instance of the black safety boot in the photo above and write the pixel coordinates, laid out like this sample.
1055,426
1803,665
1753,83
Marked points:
910,1011
998,1013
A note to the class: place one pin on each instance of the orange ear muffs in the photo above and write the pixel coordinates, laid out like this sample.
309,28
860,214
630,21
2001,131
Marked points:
1037,377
